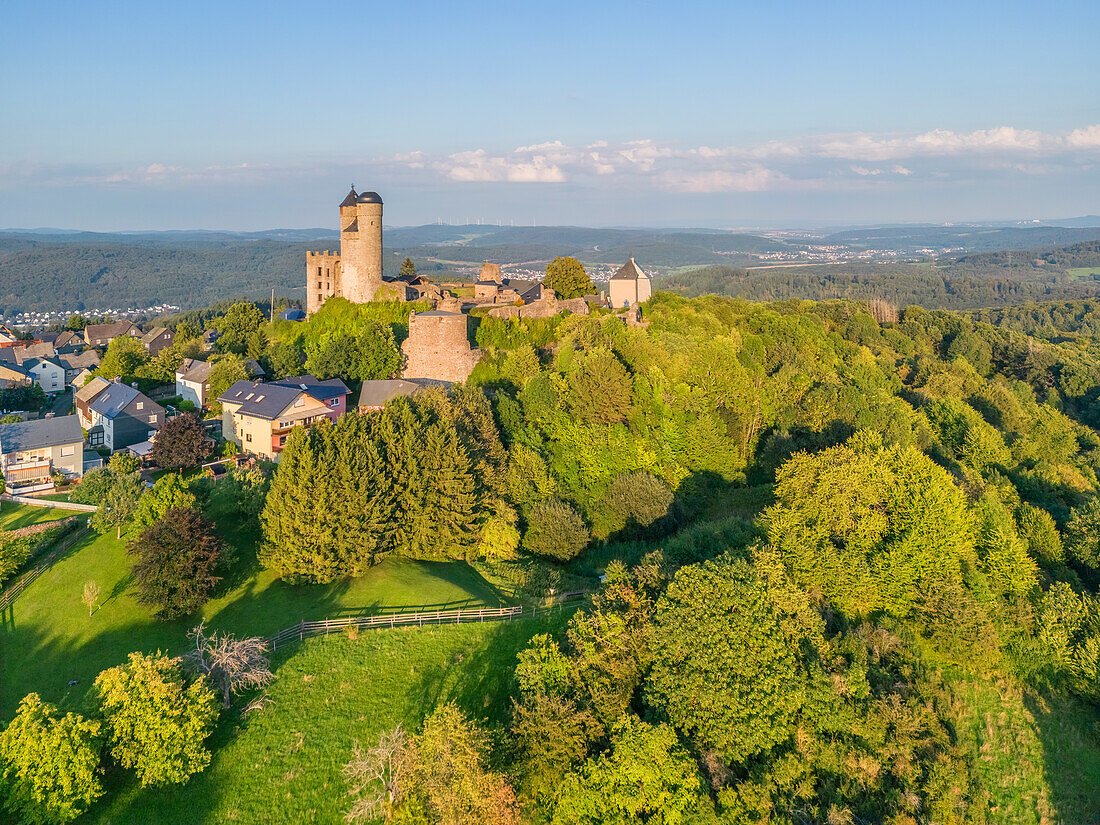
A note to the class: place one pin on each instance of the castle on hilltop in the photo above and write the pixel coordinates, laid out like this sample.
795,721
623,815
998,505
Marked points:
355,272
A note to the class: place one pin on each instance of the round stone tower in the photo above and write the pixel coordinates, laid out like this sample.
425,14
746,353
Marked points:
361,246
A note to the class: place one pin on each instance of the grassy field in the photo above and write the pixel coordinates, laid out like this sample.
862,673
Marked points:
282,764
1038,757
1083,271
47,638
13,516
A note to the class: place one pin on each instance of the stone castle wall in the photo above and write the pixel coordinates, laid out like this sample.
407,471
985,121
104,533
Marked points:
545,308
437,347
322,278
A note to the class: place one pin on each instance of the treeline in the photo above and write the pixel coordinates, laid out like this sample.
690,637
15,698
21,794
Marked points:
934,286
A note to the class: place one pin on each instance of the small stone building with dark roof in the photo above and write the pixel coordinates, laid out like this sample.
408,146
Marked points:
629,286
374,395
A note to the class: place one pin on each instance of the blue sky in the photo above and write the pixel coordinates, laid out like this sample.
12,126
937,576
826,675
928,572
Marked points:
245,115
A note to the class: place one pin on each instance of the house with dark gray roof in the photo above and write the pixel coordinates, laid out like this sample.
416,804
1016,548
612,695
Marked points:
126,415
68,341
156,339
193,381
31,452
77,362
259,417
100,335
374,395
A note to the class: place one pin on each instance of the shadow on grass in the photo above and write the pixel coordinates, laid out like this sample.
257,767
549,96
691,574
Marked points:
1069,730
481,681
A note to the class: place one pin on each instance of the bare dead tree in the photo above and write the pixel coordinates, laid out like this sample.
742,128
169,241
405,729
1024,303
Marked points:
233,665
376,777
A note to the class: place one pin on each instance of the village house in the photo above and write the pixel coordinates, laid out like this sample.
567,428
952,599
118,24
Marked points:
100,335
13,375
193,380
84,396
77,364
629,286
46,373
259,417
156,339
7,336
68,341
121,415
31,452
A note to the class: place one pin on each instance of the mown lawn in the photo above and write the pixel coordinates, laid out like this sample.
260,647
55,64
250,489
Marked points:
13,516
1038,757
282,764
47,638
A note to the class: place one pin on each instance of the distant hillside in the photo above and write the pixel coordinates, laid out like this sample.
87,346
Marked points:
44,270
970,282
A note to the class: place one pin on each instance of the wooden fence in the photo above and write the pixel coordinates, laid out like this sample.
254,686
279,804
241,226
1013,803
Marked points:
304,629
12,591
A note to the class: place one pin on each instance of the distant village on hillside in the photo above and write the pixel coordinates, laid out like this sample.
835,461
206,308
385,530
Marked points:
66,407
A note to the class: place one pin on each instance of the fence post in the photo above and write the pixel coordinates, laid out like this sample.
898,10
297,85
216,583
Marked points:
301,630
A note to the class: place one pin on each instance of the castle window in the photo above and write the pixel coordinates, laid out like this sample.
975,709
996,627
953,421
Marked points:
318,272
318,284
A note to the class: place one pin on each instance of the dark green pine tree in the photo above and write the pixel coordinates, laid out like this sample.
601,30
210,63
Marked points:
396,431
451,494
291,528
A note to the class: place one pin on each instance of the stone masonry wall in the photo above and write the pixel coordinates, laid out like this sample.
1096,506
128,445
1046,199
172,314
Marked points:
437,347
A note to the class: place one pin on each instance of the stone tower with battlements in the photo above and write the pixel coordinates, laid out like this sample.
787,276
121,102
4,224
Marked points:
355,272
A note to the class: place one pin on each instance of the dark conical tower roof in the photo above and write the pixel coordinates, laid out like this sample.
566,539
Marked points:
351,199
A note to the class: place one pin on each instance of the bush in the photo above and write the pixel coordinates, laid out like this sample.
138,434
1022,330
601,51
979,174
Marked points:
555,530
637,499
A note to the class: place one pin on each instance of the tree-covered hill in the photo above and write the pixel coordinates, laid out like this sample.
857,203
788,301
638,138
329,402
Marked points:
993,279
43,271
843,561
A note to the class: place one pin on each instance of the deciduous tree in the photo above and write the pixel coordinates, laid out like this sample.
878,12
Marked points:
555,530
49,763
566,276
180,443
178,559
158,722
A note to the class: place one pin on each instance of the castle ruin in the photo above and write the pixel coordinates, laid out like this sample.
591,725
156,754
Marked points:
438,347
355,272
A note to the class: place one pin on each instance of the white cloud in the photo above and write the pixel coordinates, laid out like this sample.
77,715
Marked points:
835,161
